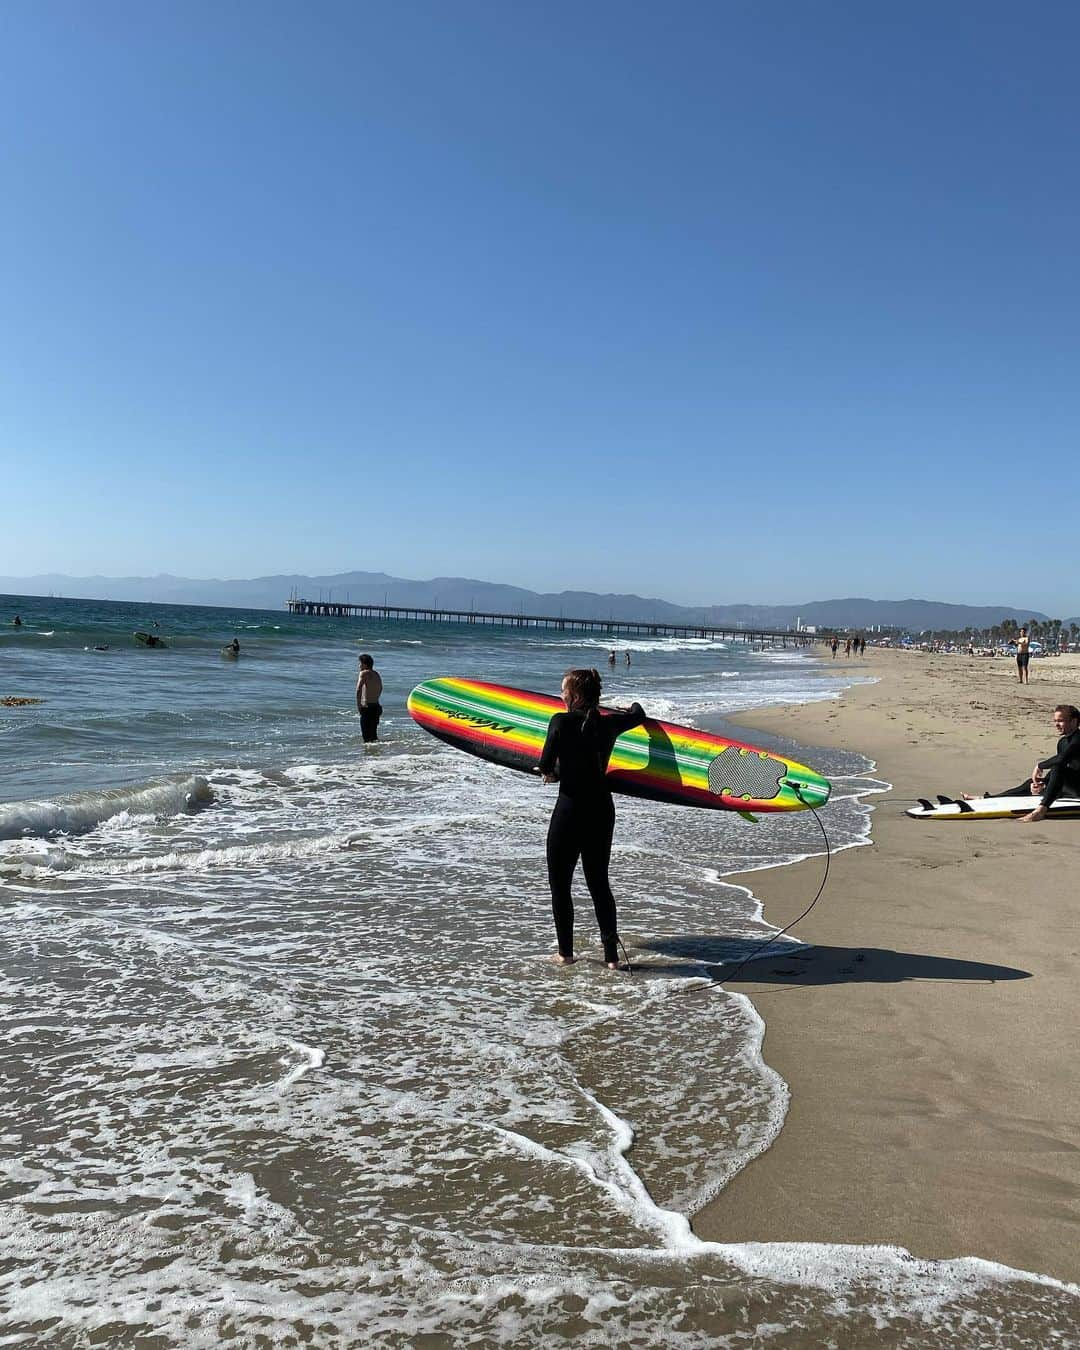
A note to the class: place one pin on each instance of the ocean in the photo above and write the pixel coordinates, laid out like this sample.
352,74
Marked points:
285,1062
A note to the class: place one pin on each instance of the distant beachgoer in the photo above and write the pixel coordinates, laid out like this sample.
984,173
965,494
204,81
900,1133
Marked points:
862,646
235,645
1054,777
847,647
1023,656
368,692
16,622
834,644
627,658
611,657
575,754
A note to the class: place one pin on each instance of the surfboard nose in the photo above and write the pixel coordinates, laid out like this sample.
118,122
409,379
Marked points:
810,788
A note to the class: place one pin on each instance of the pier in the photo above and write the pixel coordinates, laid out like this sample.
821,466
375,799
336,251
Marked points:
337,609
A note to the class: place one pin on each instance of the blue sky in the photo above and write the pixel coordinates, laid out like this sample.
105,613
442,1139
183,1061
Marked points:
719,302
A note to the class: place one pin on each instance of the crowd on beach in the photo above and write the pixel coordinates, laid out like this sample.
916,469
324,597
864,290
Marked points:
853,646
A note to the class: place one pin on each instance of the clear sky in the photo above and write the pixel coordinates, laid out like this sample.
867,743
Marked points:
726,301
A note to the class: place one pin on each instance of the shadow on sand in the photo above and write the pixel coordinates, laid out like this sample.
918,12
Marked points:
784,964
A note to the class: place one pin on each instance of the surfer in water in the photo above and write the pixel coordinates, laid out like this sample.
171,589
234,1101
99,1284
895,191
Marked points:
575,755
1058,776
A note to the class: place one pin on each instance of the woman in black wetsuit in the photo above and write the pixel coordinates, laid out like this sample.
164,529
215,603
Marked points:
577,748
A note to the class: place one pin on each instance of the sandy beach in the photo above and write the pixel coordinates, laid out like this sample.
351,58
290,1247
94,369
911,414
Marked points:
929,1039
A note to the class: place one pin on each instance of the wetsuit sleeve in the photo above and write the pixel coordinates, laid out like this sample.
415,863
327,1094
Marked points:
1064,768
1067,748
618,722
550,754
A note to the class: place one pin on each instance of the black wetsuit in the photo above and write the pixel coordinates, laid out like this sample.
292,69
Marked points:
583,820
1064,773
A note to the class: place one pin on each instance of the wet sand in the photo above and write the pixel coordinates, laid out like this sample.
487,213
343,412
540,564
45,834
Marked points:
930,1039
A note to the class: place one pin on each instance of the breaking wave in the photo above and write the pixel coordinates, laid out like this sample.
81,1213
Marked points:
82,811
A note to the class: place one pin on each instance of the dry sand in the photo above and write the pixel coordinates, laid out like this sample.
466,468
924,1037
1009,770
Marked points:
930,1040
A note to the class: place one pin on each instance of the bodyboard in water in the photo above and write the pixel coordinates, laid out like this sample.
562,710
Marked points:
659,760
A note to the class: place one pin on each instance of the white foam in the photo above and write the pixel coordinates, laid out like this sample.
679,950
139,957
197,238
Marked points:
312,1057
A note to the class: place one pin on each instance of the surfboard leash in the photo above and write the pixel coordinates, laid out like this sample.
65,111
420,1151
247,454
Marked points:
776,936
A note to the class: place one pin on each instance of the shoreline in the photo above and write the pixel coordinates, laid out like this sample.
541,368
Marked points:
928,1039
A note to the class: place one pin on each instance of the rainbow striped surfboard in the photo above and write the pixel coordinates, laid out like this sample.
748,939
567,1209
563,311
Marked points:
660,761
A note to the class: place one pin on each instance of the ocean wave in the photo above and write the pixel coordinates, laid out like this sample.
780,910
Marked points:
622,643
82,811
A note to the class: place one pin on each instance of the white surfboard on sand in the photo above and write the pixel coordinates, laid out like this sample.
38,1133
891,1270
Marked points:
989,808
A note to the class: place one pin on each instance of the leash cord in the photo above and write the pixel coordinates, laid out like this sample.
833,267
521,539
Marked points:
776,936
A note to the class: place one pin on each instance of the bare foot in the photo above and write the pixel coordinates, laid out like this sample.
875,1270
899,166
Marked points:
561,960
613,965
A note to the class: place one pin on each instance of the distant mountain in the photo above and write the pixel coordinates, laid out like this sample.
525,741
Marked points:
466,593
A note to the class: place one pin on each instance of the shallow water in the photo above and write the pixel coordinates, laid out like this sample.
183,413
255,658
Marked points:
284,1059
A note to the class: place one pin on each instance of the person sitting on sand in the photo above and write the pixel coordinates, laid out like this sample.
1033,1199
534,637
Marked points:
1054,777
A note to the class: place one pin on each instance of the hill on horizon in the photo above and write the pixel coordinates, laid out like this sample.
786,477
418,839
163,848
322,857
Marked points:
465,593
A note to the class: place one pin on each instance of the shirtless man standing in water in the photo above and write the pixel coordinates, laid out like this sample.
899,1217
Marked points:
368,693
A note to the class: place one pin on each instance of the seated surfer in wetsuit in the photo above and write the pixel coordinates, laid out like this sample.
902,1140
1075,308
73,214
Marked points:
576,753
1058,776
